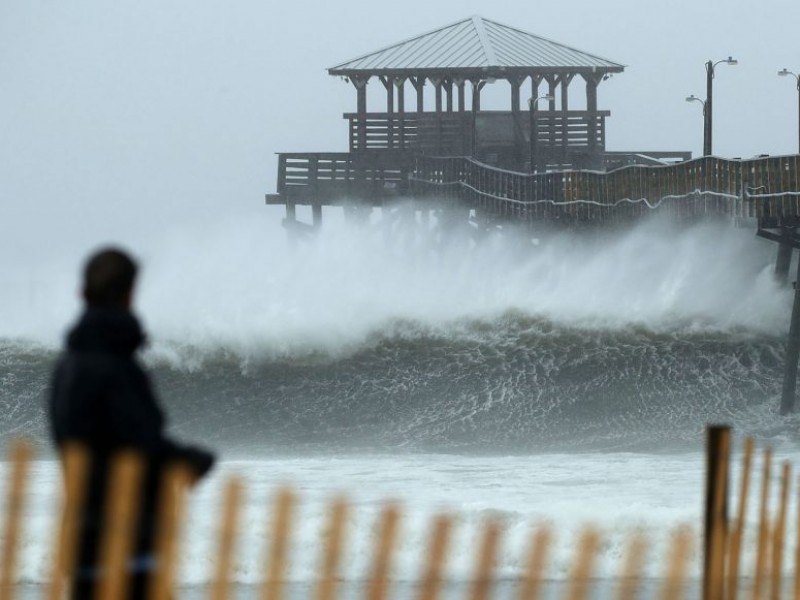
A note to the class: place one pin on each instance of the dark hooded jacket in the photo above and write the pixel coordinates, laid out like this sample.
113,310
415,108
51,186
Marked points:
102,397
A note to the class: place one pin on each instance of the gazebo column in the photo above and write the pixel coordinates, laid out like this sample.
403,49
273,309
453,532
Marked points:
516,83
361,111
461,95
400,84
552,87
388,83
477,85
419,86
592,81
437,83
448,88
565,79
533,126
519,137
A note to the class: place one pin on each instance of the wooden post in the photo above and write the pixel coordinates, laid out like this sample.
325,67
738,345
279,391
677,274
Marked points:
122,507
676,567
583,567
175,481
220,585
552,86
361,92
716,510
332,551
437,82
419,86
313,177
272,588
291,214
519,137
388,83
316,213
631,574
484,564
477,85
437,554
21,454
592,82
400,84
448,89
734,557
779,535
75,465
379,580
565,78
531,583
763,529
792,353
796,587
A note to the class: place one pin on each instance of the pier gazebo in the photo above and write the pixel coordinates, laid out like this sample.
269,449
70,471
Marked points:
461,59
448,69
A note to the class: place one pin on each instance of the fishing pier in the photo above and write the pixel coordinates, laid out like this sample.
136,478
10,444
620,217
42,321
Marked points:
539,163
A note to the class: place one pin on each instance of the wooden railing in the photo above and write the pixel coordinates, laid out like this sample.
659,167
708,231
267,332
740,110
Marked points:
307,177
765,188
458,133
450,133
724,538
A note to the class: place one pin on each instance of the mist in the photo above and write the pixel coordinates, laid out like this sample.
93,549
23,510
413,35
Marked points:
242,285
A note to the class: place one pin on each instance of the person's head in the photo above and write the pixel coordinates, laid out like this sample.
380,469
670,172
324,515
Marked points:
108,279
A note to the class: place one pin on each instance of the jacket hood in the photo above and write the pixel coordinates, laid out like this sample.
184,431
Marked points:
114,330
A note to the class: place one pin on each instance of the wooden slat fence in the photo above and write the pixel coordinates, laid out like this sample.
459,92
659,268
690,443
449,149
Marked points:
451,133
336,175
764,188
726,577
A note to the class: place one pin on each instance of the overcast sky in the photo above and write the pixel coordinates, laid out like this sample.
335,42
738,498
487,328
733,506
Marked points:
137,111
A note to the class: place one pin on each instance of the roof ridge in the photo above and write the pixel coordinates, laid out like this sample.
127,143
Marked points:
486,43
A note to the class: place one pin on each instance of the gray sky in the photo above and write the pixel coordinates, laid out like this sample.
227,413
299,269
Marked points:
135,112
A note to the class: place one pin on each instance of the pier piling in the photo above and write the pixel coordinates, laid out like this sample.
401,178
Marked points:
792,353
784,255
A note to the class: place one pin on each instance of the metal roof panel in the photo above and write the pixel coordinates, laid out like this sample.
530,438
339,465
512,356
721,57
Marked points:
475,43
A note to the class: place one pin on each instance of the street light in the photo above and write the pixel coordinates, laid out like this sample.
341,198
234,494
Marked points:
694,98
784,73
708,105
534,130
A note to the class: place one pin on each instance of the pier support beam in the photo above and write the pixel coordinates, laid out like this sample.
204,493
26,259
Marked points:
291,214
316,215
792,353
784,255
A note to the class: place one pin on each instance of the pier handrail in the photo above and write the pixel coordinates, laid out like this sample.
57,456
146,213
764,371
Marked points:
763,187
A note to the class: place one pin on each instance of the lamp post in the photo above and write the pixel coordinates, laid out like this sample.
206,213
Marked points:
710,66
534,133
694,98
784,73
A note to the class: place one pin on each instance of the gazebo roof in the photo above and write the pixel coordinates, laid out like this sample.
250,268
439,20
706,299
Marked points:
475,46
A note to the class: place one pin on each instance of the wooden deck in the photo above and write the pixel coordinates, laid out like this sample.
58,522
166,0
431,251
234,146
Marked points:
767,189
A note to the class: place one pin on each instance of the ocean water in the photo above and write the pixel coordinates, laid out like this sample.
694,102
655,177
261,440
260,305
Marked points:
560,379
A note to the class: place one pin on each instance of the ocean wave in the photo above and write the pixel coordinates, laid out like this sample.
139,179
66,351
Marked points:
513,384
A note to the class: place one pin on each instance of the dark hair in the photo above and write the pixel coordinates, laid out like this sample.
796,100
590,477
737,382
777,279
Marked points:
108,278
